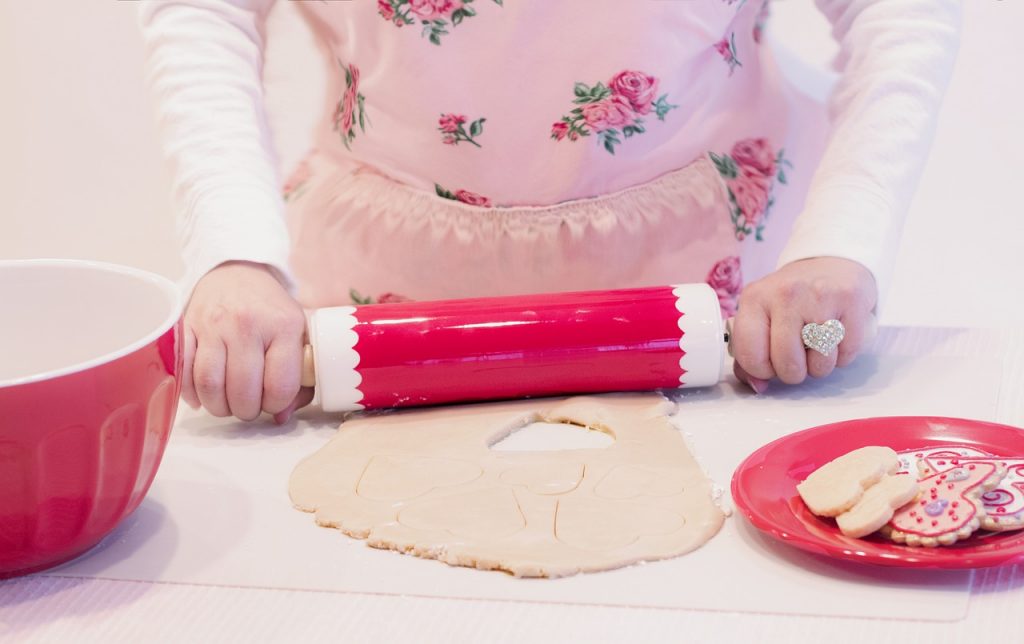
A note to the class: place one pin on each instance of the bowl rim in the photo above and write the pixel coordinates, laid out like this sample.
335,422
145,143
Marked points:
169,289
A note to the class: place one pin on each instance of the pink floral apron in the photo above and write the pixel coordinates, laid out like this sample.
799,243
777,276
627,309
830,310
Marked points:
471,149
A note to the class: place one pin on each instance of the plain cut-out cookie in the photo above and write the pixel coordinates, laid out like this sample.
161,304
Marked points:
501,510
459,514
878,504
837,485
548,478
630,481
397,477
592,524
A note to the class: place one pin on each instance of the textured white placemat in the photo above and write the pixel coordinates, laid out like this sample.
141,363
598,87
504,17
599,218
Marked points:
219,514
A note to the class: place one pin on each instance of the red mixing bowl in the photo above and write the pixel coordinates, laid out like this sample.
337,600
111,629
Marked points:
90,372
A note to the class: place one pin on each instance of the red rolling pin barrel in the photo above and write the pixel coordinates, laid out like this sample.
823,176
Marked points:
428,353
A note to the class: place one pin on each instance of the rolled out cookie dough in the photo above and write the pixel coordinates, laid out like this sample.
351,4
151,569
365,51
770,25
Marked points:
426,483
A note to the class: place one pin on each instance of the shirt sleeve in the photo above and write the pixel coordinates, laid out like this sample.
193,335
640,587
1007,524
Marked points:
204,61
895,59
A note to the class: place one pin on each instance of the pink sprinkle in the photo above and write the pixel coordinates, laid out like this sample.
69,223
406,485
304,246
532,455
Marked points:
970,467
919,455
1000,510
943,477
950,486
955,504
932,490
920,519
934,522
913,513
954,517
942,462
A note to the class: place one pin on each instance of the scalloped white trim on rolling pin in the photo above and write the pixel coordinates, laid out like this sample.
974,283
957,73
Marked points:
702,340
333,335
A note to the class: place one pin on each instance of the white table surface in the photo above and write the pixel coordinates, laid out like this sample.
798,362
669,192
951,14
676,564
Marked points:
55,608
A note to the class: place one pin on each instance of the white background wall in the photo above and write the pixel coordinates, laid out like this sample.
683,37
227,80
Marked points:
81,175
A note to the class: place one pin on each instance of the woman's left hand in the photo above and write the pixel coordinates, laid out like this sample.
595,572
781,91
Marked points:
766,334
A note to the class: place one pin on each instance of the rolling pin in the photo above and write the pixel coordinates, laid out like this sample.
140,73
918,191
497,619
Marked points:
427,353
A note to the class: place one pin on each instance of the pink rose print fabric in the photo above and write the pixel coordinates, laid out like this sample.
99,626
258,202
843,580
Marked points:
436,16
726,48
761,20
726,278
465,196
613,112
383,298
351,108
296,183
453,129
750,171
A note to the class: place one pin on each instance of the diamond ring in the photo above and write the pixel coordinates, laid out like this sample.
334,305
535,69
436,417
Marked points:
823,338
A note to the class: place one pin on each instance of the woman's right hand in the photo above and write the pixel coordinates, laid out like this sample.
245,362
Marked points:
243,345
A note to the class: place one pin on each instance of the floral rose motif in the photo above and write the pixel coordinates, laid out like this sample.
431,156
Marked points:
464,196
449,123
750,171
436,16
761,20
559,130
726,278
297,181
391,298
726,48
751,193
431,9
452,126
755,155
636,87
473,199
383,298
609,113
612,110
350,109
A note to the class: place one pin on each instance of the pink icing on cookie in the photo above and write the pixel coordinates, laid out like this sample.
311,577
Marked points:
909,458
937,501
1007,498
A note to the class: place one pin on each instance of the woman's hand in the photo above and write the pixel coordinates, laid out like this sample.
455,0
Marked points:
243,345
772,312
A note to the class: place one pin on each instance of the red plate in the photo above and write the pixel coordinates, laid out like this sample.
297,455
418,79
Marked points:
764,489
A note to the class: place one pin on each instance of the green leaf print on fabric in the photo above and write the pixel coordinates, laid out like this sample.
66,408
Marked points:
453,128
351,108
750,171
435,16
612,110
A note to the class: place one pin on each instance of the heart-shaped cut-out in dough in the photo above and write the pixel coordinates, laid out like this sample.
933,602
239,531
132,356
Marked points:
397,477
591,524
491,513
631,481
545,478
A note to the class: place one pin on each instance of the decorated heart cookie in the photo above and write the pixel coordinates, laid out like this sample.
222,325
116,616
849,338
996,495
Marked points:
838,485
1003,504
912,460
949,507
